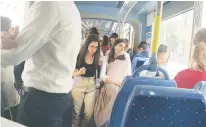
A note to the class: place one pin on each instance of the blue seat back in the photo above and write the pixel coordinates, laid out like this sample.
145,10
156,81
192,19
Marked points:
137,62
128,85
106,124
201,86
162,107
140,62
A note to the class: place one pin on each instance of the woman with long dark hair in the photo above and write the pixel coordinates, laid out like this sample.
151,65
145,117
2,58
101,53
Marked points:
84,89
105,44
116,66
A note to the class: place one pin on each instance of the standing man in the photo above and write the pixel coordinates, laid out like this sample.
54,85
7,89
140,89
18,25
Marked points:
49,42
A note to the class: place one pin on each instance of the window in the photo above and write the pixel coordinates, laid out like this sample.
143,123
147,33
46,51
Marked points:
204,15
176,33
14,10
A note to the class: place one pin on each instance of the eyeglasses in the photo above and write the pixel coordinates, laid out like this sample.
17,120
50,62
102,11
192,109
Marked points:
93,47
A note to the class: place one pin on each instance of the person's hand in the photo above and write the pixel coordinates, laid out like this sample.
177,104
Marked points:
4,35
14,32
118,84
82,71
6,41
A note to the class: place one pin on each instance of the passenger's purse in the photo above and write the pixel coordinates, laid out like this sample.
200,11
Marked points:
97,80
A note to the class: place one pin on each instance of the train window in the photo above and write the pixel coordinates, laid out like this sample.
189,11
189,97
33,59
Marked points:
204,15
104,26
13,10
176,32
128,33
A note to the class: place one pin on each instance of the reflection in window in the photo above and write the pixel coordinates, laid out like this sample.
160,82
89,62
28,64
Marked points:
176,33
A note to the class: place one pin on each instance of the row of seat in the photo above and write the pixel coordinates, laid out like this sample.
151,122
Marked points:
146,102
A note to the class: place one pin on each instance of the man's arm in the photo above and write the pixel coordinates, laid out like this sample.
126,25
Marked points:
42,19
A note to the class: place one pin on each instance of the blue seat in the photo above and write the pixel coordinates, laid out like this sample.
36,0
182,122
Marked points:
201,86
128,85
130,82
153,106
106,124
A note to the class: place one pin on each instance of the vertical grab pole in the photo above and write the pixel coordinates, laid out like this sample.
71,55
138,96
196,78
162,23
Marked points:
155,37
156,27
153,65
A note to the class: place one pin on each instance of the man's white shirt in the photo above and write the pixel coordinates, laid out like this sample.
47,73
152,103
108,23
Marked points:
49,42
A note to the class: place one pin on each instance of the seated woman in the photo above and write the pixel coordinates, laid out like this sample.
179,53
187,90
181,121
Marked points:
116,66
84,89
197,71
163,56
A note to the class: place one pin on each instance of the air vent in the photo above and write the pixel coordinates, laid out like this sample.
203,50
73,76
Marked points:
120,4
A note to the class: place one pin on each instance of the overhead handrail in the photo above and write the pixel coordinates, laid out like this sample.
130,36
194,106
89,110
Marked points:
125,17
123,13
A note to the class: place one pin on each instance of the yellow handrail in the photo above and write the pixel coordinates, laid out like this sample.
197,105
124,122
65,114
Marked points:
156,28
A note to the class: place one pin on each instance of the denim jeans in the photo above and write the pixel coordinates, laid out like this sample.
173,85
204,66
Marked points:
42,109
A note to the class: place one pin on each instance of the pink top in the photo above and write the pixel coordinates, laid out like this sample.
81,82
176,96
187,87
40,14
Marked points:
116,70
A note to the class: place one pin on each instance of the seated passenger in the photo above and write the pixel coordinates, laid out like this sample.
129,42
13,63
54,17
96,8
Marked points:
115,67
139,50
163,56
9,96
84,89
197,71
140,58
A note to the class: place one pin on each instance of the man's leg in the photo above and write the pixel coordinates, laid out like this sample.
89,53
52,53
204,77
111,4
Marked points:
21,116
67,118
2,112
14,111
